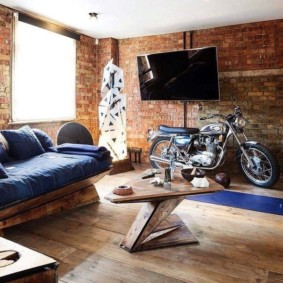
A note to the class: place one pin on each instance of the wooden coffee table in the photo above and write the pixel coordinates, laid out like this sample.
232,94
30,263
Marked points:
153,226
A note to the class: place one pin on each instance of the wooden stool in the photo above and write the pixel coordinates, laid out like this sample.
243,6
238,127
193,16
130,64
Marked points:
137,154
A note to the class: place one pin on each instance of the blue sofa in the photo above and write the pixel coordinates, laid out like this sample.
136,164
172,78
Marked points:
38,179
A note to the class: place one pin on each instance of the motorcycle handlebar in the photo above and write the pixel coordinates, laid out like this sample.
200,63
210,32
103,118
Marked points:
212,116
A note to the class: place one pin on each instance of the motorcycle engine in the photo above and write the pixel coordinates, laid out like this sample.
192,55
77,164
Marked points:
205,157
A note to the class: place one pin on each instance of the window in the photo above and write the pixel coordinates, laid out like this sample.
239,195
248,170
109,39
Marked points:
44,74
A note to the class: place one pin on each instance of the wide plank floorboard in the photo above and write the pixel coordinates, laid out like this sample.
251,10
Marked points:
235,245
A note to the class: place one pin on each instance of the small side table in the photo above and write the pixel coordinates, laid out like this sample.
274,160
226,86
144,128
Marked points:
19,264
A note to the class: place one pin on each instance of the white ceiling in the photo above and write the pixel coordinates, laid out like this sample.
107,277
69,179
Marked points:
131,18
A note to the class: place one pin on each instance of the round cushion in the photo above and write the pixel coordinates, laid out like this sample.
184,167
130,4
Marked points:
223,179
73,132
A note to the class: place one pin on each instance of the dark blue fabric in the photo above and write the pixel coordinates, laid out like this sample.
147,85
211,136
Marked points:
43,138
3,173
99,154
23,143
242,200
44,173
4,157
80,147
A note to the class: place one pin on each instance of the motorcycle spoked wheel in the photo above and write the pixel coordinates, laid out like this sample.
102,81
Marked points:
159,148
265,172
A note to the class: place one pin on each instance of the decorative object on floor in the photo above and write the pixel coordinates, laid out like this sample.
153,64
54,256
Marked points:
223,179
112,112
242,200
73,132
136,151
123,191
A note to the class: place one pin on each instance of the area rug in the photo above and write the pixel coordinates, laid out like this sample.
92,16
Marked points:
242,200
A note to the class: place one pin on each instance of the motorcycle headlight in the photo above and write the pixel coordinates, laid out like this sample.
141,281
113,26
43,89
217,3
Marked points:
240,122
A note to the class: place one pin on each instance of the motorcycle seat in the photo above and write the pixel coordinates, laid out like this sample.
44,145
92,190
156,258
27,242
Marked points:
178,130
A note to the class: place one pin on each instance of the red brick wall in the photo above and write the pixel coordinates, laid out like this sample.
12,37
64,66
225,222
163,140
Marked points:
87,72
253,46
86,81
5,58
144,115
250,65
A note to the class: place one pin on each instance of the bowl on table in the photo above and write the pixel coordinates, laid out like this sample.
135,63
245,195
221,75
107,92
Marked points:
189,174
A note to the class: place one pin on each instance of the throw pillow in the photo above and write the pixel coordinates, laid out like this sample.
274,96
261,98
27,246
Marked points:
3,172
4,157
4,142
23,143
44,139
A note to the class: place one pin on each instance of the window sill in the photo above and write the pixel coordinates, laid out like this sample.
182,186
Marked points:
40,122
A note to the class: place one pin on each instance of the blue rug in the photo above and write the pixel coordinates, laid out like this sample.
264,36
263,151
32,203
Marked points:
242,200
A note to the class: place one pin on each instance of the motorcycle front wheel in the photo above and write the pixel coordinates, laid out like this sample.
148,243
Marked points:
265,171
159,148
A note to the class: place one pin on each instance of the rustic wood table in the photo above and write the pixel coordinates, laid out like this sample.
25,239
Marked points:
153,226
19,264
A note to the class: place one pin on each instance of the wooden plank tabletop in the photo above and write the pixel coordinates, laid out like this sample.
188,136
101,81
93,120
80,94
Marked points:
144,191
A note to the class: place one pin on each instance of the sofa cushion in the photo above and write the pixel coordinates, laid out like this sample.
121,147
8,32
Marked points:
4,142
4,157
47,172
23,143
44,139
3,172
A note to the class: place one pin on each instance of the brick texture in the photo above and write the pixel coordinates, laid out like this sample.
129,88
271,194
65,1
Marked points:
5,58
250,65
246,53
86,87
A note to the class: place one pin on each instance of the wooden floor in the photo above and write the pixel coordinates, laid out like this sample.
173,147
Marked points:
235,245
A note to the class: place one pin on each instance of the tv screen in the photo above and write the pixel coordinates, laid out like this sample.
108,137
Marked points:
187,75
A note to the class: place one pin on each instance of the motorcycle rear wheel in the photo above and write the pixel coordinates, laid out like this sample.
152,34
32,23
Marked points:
266,170
159,148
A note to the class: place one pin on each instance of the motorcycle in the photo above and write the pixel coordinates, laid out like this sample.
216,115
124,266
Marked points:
206,148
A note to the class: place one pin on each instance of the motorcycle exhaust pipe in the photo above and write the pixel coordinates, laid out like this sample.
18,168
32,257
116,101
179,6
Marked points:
165,161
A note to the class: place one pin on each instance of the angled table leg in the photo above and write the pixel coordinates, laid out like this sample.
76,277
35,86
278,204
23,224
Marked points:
152,228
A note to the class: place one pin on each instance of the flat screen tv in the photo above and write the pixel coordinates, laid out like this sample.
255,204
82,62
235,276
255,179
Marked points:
186,75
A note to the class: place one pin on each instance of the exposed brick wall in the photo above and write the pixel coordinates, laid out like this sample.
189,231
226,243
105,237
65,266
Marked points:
145,115
250,65
253,46
5,58
86,81
86,98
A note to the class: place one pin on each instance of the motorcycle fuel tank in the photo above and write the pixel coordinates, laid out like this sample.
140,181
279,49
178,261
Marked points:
214,129
182,141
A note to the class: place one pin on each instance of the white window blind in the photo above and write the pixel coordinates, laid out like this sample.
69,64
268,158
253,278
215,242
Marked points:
44,75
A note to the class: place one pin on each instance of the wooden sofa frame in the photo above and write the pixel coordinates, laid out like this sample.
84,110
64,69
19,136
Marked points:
73,195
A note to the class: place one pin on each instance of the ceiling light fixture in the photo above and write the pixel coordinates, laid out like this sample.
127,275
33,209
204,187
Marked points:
93,16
